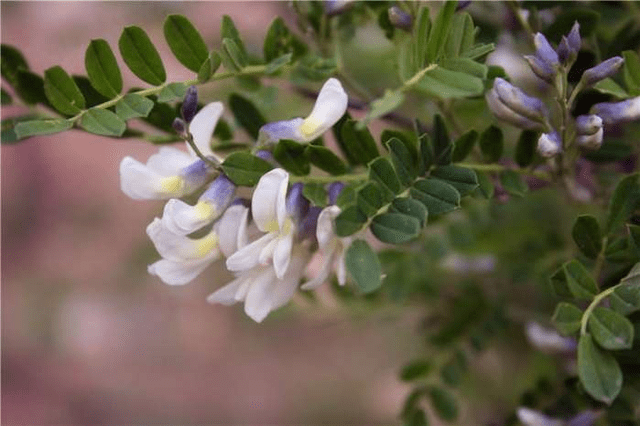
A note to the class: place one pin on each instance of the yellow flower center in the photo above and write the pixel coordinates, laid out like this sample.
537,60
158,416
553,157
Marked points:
206,244
309,126
204,210
172,185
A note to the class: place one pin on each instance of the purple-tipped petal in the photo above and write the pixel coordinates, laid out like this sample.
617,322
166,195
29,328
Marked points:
307,228
618,112
190,104
602,70
573,38
544,51
549,144
541,69
399,18
502,112
523,104
593,141
588,124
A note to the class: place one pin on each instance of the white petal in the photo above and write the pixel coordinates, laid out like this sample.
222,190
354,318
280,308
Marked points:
286,287
225,295
203,125
268,199
257,304
266,254
341,267
170,161
248,256
324,230
141,183
179,247
230,225
322,275
178,273
282,254
329,108
286,129
182,219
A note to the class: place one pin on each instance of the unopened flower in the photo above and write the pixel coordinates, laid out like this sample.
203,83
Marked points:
618,112
549,144
545,62
328,109
512,105
570,46
589,131
190,104
399,18
602,70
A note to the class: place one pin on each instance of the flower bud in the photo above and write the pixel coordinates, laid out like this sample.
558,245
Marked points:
588,124
570,46
179,126
504,113
549,144
541,69
602,70
573,38
462,4
515,99
190,104
618,112
297,204
593,141
544,51
334,191
335,7
399,18
309,223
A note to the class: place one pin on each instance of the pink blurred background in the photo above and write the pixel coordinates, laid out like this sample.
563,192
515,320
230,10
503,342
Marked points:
89,338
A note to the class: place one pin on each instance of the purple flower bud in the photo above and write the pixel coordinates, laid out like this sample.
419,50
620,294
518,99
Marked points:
399,18
544,51
265,155
593,141
586,418
190,104
573,38
309,223
566,55
335,7
549,144
220,193
196,173
334,191
297,204
588,124
502,112
462,4
179,126
618,112
515,99
602,70
541,69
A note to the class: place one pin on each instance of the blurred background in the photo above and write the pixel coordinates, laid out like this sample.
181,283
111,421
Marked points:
88,337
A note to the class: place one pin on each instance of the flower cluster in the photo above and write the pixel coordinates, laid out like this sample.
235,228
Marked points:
513,106
267,241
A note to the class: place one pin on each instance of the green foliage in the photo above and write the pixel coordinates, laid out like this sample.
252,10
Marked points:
62,91
598,370
244,168
102,68
586,233
246,114
363,266
567,318
185,42
141,56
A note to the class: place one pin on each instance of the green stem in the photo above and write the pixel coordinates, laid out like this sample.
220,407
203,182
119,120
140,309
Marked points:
597,268
501,168
596,301
329,179
417,77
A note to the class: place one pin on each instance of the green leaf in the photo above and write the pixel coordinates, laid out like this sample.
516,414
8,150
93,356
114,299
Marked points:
451,372
410,207
559,283
349,221
444,404
461,35
172,91
358,146
479,50
280,41
440,31
369,199
382,172
246,114
579,280
279,62
416,417
395,228
11,61
185,42
102,68
625,299
315,193
610,87
463,145
461,178
91,96
492,144
232,56
315,68
102,122
382,106
347,196
141,56
324,159
403,161
245,169
24,129
485,185
133,106
447,84
291,156
442,146
437,196
418,56
228,30
161,116
209,67
631,72
62,91
513,183
526,148
625,200
567,318
586,233
634,237
5,97
415,370
363,266
598,371
427,156
610,330
467,66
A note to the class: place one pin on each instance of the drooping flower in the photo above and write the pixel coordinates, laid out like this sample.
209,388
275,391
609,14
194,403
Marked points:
618,112
602,70
589,131
172,173
330,106
184,258
549,144
545,62
512,105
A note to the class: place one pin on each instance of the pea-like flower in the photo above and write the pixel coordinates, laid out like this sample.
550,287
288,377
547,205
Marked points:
618,112
172,173
512,105
329,108
549,144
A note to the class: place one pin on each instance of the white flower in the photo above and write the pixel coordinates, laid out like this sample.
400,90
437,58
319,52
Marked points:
332,247
329,108
548,340
269,210
172,173
261,289
531,417
184,258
